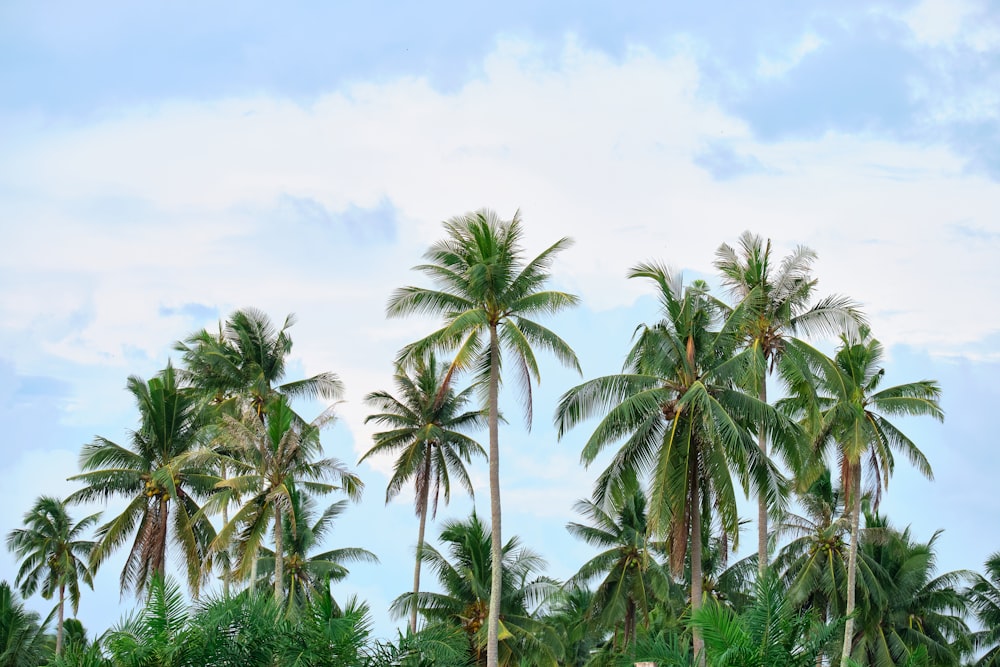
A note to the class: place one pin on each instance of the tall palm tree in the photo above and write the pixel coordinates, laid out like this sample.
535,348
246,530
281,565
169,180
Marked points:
779,298
158,477
423,435
277,454
685,420
307,574
53,555
984,600
488,296
629,573
239,370
848,412
466,580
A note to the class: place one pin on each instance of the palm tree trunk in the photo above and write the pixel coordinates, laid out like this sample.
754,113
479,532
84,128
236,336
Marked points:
630,623
59,622
761,500
160,552
496,553
226,566
279,556
697,643
852,561
422,510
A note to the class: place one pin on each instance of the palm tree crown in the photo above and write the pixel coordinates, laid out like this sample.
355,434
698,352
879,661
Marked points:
246,359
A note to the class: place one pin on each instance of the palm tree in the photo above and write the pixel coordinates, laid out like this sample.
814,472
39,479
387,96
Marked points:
920,610
277,454
467,583
423,423
569,614
779,298
53,555
308,575
814,563
158,477
487,295
630,573
687,423
984,600
239,370
849,412
22,635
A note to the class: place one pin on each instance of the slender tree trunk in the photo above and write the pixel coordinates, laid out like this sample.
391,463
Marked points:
761,499
630,623
852,561
59,622
279,556
697,643
422,511
496,550
823,616
160,555
227,573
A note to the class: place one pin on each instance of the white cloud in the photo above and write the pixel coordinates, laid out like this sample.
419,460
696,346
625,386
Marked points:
953,23
175,204
775,67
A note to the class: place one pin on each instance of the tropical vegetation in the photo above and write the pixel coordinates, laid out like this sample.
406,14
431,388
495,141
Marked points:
228,474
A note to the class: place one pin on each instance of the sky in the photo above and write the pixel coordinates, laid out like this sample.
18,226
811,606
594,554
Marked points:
165,163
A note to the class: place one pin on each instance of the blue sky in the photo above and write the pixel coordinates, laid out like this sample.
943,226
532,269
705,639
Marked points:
162,164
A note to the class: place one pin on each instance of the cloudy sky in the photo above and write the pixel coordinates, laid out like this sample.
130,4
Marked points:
164,163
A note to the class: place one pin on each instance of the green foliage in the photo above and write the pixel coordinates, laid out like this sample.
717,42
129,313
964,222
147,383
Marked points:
769,633
53,555
919,610
308,574
22,635
984,600
245,363
629,574
814,562
82,655
464,603
276,454
159,480
239,631
424,422
158,634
